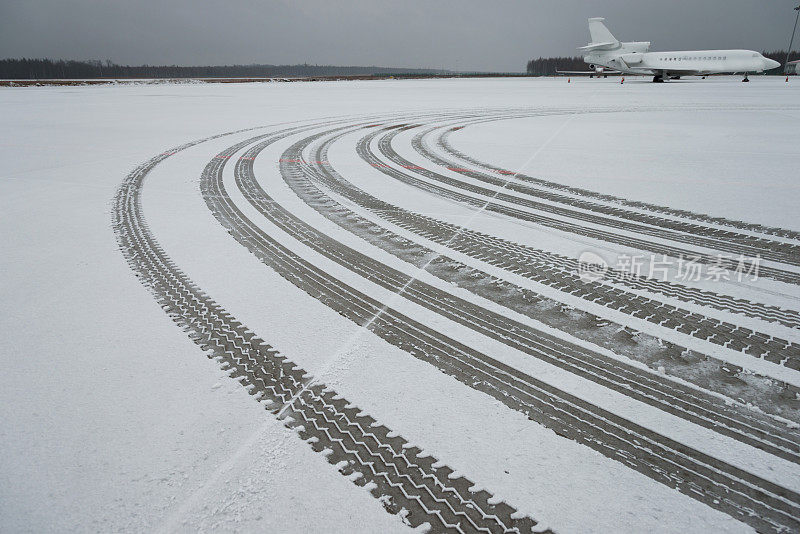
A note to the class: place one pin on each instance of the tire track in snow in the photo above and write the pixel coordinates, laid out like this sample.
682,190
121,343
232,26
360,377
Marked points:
442,142
406,481
749,246
776,273
657,390
528,263
749,498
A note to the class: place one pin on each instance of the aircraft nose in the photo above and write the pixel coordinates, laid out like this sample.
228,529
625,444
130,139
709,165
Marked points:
771,64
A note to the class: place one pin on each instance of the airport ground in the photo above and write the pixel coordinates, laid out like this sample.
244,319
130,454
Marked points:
302,306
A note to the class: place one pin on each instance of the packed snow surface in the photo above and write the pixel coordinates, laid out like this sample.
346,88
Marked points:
112,419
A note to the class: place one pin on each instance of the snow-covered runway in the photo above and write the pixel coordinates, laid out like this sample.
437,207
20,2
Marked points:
392,270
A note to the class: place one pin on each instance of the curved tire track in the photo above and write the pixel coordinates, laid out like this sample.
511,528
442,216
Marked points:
686,402
776,273
539,266
403,479
720,485
442,142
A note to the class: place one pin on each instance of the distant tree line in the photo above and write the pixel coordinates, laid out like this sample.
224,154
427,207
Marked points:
40,69
547,66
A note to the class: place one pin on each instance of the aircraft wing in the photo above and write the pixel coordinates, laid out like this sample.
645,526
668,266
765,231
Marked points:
589,72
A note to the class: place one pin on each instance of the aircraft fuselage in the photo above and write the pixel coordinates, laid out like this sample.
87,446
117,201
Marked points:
683,62
607,51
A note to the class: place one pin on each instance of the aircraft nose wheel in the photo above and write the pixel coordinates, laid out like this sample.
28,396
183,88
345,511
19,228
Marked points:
746,79
658,79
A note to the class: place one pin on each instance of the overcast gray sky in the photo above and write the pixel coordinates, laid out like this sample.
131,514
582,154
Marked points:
464,35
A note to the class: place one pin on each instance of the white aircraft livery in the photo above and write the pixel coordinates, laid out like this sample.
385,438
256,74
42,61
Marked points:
606,52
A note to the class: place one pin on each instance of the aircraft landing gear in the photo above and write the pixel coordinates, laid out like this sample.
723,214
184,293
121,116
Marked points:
746,79
658,79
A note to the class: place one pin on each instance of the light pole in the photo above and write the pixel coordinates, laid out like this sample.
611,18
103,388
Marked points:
791,41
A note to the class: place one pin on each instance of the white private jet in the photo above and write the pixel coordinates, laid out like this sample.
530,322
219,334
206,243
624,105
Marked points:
606,54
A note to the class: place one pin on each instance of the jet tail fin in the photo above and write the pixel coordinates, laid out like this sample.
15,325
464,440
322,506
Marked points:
599,32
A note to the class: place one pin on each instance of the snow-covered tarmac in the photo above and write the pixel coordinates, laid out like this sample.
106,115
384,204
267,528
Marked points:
113,419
